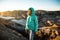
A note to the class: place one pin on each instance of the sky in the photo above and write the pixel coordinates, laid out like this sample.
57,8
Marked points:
9,5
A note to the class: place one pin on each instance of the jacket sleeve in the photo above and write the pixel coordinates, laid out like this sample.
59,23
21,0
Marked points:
26,24
36,24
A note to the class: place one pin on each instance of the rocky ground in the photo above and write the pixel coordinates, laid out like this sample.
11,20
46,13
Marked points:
47,33
9,34
43,33
49,29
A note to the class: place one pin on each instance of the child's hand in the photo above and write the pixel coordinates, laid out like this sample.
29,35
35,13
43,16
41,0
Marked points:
26,30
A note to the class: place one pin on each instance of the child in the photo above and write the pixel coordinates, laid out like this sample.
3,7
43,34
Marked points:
31,23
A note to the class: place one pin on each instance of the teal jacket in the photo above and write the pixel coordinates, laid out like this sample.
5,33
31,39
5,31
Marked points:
32,21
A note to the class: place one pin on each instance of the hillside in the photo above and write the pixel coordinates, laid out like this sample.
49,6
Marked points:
12,24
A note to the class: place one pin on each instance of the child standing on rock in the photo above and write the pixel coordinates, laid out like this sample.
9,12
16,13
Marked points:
31,23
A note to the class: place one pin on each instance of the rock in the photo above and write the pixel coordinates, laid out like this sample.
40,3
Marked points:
47,33
9,34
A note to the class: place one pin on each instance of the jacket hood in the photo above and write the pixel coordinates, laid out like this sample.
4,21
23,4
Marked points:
33,11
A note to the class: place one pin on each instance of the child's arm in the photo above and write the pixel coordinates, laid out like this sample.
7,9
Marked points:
36,24
26,24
